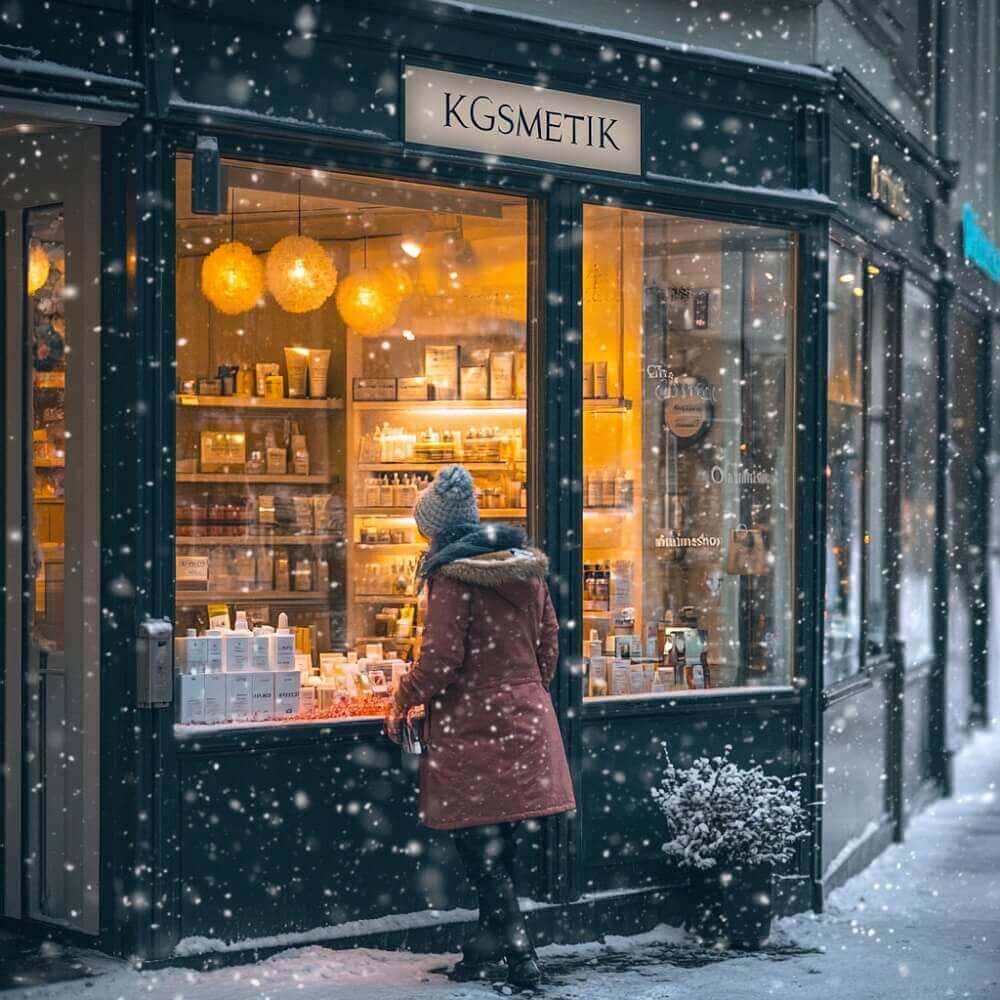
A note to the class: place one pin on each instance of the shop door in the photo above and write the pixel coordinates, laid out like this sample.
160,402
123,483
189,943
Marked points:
49,197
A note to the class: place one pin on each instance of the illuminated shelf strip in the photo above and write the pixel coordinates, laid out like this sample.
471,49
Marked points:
518,406
406,513
616,404
258,540
258,403
429,466
241,597
236,477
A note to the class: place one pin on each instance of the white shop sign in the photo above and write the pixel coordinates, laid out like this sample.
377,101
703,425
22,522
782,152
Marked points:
511,119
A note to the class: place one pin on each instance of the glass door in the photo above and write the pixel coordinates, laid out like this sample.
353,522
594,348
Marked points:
52,377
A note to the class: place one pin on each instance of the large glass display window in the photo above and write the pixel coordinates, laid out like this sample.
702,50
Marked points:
918,475
339,339
688,393
845,430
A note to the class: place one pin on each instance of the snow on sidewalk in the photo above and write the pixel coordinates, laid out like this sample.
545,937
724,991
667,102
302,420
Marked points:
922,922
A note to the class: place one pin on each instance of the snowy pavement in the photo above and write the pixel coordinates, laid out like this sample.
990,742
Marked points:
922,922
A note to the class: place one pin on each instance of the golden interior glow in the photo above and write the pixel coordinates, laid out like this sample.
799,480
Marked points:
38,266
300,274
232,278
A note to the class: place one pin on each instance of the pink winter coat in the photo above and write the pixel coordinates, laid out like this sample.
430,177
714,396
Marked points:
493,752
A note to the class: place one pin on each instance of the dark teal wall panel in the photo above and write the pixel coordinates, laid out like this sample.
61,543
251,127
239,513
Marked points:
855,773
918,761
622,759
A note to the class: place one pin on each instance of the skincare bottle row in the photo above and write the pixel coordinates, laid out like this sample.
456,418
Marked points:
385,578
238,674
393,489
608,488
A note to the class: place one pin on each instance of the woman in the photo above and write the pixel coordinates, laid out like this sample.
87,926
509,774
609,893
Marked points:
493,753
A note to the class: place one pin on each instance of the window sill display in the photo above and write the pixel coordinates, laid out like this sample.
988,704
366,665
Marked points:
303,437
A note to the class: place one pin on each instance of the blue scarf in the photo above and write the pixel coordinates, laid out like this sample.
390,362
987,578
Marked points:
461,541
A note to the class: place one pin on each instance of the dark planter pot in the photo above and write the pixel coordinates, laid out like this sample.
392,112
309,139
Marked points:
730,907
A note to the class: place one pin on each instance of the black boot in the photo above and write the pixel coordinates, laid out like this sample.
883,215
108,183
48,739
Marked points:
482,954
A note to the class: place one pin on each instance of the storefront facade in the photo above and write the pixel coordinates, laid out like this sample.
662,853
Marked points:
668,310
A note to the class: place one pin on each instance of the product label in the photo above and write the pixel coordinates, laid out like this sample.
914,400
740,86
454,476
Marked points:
262,695
237,697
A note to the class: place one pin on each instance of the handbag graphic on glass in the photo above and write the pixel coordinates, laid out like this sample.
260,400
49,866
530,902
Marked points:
747,555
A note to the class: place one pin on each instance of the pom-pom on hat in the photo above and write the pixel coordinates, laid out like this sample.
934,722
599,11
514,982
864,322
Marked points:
450,499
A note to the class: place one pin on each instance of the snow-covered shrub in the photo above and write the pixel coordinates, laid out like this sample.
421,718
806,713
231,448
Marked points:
719,814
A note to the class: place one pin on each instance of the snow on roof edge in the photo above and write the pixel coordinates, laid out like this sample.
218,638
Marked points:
802,69
46,67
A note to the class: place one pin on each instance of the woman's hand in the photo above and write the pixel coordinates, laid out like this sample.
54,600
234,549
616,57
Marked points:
394,722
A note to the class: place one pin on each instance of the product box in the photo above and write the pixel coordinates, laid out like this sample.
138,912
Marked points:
380,390
415,387
191,572
598,677
215,653
620,676
441,370
475,382
260,652
307,699
262,695
223,451
502,375
521,374
215,697
237,696
189,693
283,651
191,654
287,696
237,651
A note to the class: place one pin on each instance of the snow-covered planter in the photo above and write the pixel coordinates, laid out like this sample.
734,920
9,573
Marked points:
729,826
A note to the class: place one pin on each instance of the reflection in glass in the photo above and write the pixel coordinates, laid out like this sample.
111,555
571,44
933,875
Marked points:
844,468
917,478
45,270
687,454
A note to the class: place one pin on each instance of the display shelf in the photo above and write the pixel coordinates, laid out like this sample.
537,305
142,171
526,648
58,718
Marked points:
417,405
186,597
199,540
236,477
614,404
431,466
603,615
406,513
390,546
386,598
49,463
617,511
257,403
50,380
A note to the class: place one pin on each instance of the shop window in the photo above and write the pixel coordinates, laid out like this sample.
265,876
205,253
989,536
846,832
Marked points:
687,454
918,492
844,467
880,462
339,339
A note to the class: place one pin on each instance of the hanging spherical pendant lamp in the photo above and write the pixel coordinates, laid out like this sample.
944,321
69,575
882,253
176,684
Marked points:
300,273
232,278
38,266
368,301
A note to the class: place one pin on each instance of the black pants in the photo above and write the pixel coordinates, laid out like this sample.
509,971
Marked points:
488,854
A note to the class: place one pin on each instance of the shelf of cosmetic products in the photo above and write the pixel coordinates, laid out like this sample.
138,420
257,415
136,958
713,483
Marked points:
406,513
191,541
257,403
415,407
190,597
288,478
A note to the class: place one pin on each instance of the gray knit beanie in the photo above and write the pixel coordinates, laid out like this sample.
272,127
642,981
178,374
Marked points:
450,499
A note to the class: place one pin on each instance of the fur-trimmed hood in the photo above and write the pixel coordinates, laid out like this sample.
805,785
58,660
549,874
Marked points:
495,569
